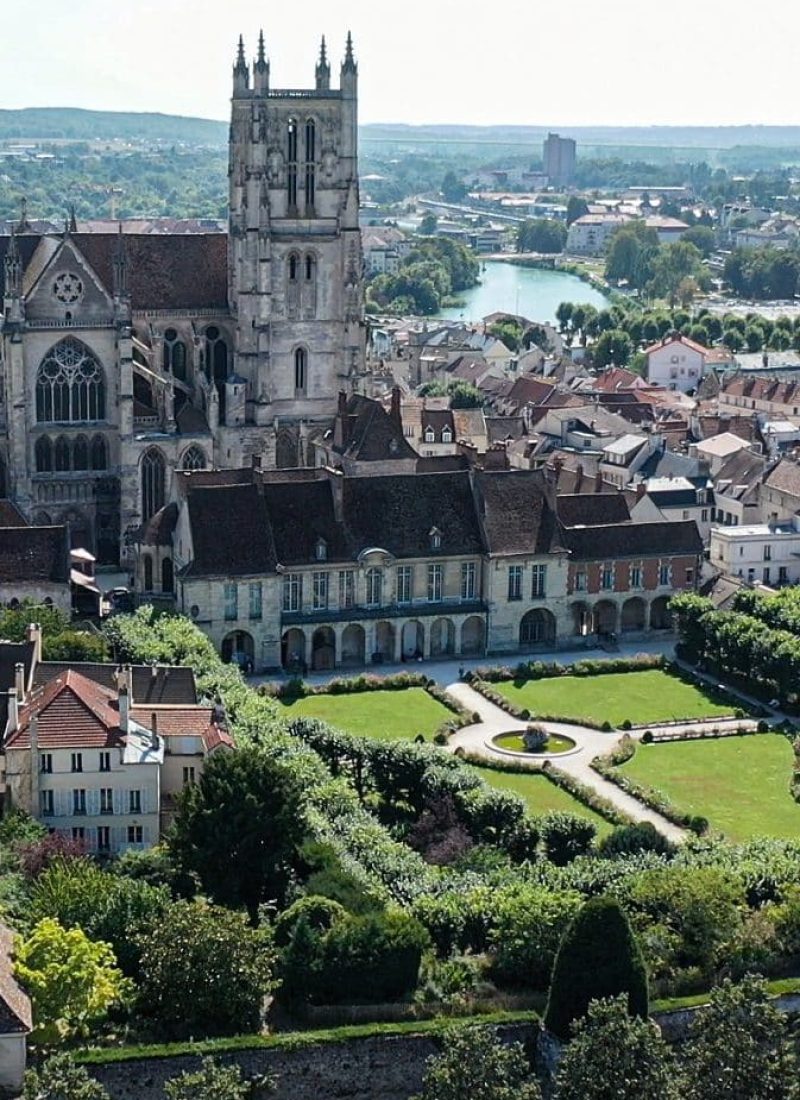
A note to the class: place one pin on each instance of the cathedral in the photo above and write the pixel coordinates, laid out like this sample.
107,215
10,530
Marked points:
125,357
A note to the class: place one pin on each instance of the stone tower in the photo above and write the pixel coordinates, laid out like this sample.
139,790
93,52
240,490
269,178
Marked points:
295,263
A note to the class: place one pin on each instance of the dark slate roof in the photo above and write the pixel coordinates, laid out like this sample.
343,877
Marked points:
230,532
440,464
31,554
10,515
398,513
301,513
172,684
592,509
165,271
626,540
515,513
12,654
191,421
674,498
500,428
372,435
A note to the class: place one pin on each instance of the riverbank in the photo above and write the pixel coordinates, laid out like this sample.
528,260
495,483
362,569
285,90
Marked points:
529,287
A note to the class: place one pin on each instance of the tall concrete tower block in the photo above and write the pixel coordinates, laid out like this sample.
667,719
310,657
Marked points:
295,262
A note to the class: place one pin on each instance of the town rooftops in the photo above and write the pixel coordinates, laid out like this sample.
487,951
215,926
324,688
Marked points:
672,339
34,554
785,477
70,711
631,540
626,446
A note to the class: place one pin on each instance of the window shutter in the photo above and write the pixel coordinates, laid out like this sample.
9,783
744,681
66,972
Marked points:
93,802
119,801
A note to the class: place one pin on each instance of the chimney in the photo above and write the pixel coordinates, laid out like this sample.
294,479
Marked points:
34,634
395,412
13,711
641,489
123,702
19,681
154,729
578,477
598,482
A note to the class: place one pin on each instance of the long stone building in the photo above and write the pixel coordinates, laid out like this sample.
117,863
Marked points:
126,358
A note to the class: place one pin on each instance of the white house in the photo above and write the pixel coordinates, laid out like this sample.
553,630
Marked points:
759,553
676,362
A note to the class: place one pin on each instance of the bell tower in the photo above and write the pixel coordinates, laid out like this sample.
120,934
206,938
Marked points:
295,263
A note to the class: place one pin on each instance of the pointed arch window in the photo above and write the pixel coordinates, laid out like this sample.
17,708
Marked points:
70,385
291,164
153,482
99,455
194,459
80,453
44,455
300,371
294,267
61,452
174,357
310,267
311,157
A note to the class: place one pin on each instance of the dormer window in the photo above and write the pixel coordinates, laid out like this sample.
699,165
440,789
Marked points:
430,435
447,435
435,535
321,550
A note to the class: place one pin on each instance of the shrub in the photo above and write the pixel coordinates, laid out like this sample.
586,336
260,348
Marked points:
647,737
626,724
60,1079
631,839
527,931
566,836
763,727
37,855
321,914
534,738
606,727
598,957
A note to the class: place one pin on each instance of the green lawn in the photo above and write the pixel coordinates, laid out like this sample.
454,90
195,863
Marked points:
741,784
541,795
642,697
387,715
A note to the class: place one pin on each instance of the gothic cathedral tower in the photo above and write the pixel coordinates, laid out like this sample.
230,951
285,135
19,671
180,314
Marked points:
295,264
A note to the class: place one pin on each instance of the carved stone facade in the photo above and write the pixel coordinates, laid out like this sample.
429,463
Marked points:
127,357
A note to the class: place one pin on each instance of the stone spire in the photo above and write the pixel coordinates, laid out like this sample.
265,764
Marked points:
241,74
72,224
120,267
261,68
13,268
323,69
349,63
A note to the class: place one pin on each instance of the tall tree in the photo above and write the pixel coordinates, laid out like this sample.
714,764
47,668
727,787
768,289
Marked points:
240,827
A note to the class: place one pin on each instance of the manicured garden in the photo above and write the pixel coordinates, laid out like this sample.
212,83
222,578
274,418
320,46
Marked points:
541,796
641,697
515,742
385,715
741,784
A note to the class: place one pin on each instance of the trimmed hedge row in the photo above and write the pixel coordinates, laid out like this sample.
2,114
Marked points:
649,796
543,670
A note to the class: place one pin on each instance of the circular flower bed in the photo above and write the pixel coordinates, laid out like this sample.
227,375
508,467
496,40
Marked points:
515,742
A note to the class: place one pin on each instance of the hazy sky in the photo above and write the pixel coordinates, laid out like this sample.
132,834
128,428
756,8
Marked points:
513,61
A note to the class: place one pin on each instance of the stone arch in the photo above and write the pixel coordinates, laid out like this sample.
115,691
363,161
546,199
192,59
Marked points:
239,648
167,576
293,649
472,636
413,639
443,638
43,453
80,453
384,641
323,649
537,627
604,617
194,458
660,616
634,615
582,620
174,357
98,453
147,572
286,449
217,364
354,645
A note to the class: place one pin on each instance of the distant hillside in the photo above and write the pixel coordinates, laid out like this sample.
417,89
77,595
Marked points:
78,125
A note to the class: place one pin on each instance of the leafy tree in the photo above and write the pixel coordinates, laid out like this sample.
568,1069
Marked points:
576,208
204,971
215,1082
614,1055
598,957
613,346
15,621
375,957
474,1064
428,224
739,1047
453,189
702,237
72,982
527,930
463,395
74,645
628,253
239,827
541,235
564,315
59,1078
672,265
566,836
509,331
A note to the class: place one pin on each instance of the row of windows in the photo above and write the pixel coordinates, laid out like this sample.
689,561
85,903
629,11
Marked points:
99,802
67,453
231,598
76,762
635,577
135,835
538,582
375,586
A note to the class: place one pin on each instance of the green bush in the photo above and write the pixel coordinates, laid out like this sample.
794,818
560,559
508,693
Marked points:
527,931
321,913
566,836
647,737
598,957
371,958
631,839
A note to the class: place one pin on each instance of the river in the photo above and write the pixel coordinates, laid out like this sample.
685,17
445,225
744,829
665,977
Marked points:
531,292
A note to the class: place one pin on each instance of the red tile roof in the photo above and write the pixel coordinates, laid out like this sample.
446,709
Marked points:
71,711
687,343
194,721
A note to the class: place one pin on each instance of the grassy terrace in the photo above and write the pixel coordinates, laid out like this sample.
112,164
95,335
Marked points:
386,715
741,784
541,795
645,697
